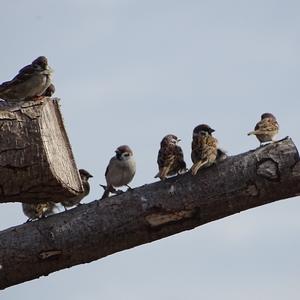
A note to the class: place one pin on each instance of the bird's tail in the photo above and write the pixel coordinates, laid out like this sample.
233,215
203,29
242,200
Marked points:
163,173
198,165
107,189
105,194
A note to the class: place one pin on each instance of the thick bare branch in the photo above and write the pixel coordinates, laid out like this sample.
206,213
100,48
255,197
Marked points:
149,213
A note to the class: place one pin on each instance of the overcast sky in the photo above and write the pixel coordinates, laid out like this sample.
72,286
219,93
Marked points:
130,72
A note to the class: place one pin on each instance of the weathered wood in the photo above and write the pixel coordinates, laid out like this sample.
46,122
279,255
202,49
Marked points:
36,160
148,213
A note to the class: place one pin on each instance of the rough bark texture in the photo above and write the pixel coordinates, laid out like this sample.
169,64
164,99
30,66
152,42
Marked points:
36,160
148,213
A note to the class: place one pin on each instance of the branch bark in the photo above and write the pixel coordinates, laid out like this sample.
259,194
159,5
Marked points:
36,160
149,213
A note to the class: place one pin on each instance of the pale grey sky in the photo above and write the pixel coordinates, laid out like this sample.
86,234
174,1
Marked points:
132,71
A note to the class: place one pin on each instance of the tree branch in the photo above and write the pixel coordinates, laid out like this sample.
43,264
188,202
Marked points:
36,160
149,213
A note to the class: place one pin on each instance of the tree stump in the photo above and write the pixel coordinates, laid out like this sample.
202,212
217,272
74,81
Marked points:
36,160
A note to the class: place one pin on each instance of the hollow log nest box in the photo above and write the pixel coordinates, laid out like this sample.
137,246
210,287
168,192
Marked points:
36,159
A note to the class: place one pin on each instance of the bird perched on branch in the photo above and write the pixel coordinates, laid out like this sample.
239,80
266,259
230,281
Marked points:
266,128
31,82
204,148
37,211
120,170
170,157
85,176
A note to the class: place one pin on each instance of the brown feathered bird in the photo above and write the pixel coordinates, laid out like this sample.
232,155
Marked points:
204,148
266,128
85,176
170,158
37,211
31,81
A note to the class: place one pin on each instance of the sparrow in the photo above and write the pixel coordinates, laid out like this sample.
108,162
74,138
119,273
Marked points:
266,128
120,170
204,148
170,157
37,211
49,91
85,176
31,82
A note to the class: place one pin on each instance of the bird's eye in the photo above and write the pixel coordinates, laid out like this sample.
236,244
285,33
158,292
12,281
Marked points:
126,154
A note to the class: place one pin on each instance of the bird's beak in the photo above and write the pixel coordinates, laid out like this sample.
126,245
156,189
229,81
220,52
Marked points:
212,130
178,140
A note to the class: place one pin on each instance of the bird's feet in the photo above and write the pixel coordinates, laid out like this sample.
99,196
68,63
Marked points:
194,169
129,188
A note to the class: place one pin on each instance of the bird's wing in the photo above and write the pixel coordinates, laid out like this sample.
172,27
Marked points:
106,171
209,148
24,74
179,152
180,158
165,160
195,150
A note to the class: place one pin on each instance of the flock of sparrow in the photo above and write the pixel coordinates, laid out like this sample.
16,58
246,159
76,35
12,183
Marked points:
34,82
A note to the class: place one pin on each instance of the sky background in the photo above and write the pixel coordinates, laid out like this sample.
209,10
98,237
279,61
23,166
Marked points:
130,72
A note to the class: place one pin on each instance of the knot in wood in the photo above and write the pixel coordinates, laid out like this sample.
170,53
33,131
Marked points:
252,190
50,253
268,169
162,218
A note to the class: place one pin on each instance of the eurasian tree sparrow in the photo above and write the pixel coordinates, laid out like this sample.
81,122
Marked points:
37,211
170,157
31,81
266,128
120,170
85,176
204,148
